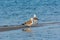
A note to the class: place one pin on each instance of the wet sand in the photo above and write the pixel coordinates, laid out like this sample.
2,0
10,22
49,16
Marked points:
8,28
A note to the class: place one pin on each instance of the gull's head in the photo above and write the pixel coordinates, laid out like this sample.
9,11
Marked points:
32,19
34,15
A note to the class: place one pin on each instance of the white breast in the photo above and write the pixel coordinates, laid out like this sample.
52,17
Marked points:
35,21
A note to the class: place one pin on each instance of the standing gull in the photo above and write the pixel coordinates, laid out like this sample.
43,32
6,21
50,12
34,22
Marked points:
35,19
28,24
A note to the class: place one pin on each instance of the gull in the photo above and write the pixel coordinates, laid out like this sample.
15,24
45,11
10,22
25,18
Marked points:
28,24
35,19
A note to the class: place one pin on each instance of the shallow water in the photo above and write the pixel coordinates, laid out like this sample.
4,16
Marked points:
16,12
40,33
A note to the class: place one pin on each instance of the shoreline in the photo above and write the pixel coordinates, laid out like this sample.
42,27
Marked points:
13,27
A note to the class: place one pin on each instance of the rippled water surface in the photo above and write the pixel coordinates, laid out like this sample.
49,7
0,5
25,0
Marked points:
39,33
16,12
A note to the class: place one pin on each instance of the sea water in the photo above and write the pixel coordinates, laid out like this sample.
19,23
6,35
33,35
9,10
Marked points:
16,12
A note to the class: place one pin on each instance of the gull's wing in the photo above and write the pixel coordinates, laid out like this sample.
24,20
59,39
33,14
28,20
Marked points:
7,28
